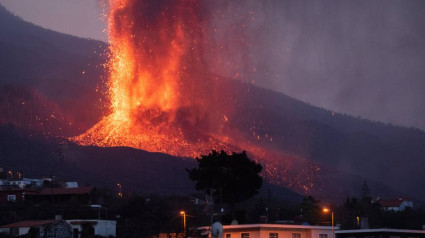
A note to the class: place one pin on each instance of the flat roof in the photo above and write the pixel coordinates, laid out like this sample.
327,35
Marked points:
380,230
282,226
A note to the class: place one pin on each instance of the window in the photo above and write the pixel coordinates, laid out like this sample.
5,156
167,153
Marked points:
11,198
244,235
228,235
273,235
296,235
323,235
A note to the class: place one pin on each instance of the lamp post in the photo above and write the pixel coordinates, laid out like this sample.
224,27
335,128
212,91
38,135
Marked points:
327,210
119,190
183,213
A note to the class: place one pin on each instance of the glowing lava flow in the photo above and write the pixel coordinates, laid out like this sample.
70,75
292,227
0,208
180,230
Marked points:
156,81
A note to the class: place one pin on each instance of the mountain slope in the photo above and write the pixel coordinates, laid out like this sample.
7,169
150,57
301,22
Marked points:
385,153
138,171
27,108
64,68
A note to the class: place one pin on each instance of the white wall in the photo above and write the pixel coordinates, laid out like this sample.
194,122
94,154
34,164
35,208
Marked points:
101,227
23,230
284,231
106,228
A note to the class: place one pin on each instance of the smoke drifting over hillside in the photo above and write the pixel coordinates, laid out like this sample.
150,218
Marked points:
363,58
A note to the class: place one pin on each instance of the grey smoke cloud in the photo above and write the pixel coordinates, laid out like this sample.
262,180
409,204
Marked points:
365,58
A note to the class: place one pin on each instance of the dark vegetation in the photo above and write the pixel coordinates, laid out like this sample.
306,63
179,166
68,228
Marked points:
227,181
227,178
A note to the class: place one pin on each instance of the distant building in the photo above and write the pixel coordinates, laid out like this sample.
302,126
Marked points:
104,228
13,195
39,229
71,184
21,183
398,204
12,192
82,194
61,228
276,231
380,233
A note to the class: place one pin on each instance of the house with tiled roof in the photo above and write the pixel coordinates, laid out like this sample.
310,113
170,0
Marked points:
39,228
395,204
11,194
59,228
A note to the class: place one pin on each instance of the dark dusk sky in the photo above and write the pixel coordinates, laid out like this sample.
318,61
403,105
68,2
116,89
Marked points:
364,58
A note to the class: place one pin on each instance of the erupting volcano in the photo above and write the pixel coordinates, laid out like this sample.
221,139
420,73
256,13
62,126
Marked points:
184,77
164,97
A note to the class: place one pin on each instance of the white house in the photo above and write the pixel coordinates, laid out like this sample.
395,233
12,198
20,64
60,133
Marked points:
396,205
104,228
276,231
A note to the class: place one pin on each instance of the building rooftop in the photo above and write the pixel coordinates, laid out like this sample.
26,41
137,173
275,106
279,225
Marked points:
64,191
281,226
383,230
28,223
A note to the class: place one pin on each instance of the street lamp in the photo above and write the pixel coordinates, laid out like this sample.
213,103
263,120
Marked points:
327,210
183,213
119,190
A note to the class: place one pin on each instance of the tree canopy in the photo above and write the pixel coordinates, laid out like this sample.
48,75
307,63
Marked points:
229,178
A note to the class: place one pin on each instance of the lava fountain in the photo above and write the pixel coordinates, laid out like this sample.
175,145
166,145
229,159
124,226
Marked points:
161,98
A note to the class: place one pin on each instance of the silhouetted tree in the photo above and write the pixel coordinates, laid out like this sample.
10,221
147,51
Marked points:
351,212
311,210
229,178
365,191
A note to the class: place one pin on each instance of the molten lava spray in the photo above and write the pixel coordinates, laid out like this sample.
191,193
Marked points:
161,98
